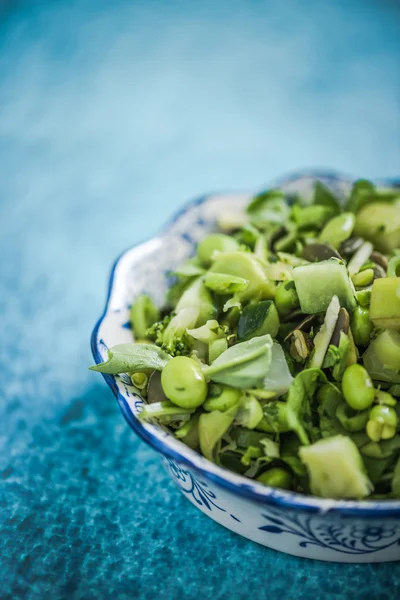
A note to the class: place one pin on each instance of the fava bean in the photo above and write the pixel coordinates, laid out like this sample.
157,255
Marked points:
357,387
183,382
338,229
363,278
382,423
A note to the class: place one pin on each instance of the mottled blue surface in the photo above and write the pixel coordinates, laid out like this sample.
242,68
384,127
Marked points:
111,115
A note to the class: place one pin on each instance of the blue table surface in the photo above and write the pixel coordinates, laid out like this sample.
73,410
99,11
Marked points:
112,114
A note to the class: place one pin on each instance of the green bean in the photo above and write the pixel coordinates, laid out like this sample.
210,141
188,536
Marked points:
286,298
183,382
357,387
393,269
216,242
276,477
382,423
361,326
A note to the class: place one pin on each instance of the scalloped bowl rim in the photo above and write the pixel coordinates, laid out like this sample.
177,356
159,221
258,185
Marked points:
228,480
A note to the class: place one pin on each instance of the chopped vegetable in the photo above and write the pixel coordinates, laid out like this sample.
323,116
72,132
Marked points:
211,245
316,284
143,314
338,229
385,303
183,382
277,353
336,469
258,319
379,222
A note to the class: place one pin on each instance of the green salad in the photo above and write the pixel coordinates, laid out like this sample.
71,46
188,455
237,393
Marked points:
277,353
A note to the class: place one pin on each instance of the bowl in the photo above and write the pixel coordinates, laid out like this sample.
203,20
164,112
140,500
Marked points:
305,526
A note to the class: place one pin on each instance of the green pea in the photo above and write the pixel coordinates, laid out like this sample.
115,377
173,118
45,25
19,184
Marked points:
139,380
286,298
215,242
338,229
223,397
276,477
361,326
183,382
357,387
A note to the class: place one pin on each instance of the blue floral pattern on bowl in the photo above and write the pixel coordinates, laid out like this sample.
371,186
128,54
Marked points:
343,531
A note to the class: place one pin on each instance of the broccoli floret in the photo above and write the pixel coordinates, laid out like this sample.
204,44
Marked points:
156,331
170,333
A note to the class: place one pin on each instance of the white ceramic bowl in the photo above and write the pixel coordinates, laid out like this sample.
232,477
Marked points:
341,531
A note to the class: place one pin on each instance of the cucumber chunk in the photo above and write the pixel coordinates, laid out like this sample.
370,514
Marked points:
384,309
317,283
336,468
258,319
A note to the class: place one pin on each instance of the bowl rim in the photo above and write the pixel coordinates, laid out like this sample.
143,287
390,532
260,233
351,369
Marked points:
249,489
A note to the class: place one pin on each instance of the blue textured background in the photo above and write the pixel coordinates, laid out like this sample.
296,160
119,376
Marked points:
111,115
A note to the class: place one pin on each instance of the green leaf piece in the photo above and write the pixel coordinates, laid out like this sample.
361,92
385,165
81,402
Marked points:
130,358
